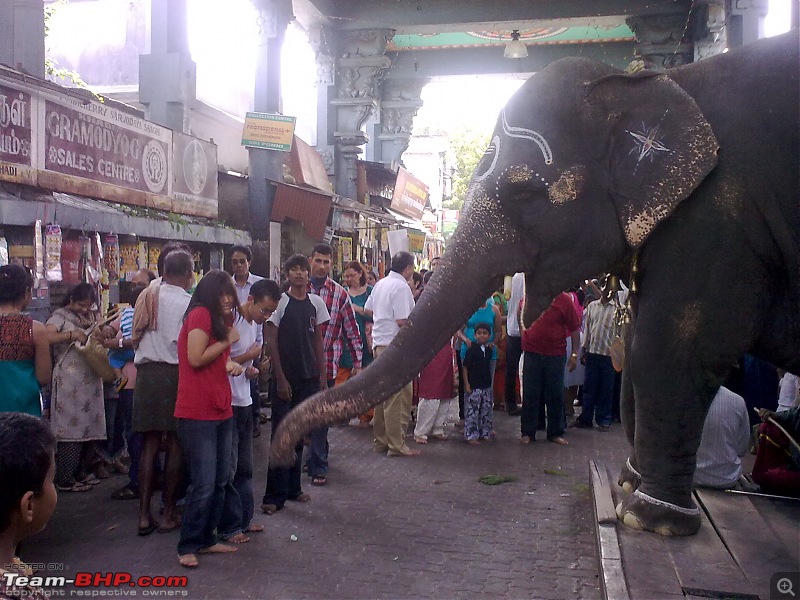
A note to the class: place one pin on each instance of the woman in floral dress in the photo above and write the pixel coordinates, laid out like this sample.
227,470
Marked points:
77,412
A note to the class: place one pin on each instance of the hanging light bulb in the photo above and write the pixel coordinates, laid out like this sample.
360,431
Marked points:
515,48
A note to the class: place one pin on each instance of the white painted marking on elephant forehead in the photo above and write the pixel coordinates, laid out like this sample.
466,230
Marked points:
657,502
494,147
535,136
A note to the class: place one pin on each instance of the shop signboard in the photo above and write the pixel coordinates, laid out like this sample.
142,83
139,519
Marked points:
100,143
410,195
16,136
264,130
195,185
67,142
416,241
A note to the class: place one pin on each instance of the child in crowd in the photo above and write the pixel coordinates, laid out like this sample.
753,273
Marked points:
27,495
437,388
477,374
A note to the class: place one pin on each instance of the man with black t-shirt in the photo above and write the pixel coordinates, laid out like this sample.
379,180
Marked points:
294,337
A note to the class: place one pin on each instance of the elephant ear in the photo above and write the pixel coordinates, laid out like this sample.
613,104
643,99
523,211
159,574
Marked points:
660,147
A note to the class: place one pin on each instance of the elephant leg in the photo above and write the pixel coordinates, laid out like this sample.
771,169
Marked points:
629,477
675,368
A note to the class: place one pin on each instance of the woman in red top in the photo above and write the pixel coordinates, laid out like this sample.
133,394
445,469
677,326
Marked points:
203,410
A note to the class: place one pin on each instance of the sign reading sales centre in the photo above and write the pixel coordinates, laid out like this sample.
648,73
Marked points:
63,142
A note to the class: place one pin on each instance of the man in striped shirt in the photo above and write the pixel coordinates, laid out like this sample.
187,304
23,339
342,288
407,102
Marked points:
598,385
342,328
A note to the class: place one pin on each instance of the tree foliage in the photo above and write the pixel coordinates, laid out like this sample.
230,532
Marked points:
467,147
51,68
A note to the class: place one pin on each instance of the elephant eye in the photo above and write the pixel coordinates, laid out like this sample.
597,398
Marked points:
489,160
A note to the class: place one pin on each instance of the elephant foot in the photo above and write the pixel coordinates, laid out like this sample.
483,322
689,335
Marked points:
643,512
629,478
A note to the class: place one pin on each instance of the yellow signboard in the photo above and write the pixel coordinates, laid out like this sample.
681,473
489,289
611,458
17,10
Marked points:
416,241
263,130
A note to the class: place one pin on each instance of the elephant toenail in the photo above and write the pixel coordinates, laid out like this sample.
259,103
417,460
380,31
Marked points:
631,521
627,487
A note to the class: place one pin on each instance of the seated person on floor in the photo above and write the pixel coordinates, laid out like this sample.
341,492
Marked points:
27,496
726,434
777,466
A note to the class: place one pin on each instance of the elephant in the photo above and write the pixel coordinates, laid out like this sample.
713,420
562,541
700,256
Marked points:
685,184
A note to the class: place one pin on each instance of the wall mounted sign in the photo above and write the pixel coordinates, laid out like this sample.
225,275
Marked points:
66,142
264,130
410,195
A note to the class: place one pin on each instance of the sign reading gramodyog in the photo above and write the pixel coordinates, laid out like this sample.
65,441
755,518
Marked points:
103,144
70,141
263,130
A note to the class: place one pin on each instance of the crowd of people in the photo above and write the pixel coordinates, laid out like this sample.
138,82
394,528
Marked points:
188,358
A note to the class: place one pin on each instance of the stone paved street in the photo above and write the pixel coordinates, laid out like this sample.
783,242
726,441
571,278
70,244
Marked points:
383,527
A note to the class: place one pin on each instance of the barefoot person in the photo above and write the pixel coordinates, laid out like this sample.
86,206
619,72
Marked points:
203,409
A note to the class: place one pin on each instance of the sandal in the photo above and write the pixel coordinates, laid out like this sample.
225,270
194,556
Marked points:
442,437
120,384
304,497
420,440
75,487
319,480
125,493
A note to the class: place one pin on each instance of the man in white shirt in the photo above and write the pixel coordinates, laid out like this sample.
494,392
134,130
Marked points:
390,304
241,257
726,436
238,507
513,344
156,390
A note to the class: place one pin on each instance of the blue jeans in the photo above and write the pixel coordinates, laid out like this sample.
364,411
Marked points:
237,511
207,451
283,483
597,390
119,423
543,383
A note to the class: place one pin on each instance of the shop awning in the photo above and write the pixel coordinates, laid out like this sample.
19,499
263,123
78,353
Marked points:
310,207
82,213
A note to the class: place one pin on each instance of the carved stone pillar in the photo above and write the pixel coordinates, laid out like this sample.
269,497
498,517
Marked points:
359,64
711,35
401,101
663,41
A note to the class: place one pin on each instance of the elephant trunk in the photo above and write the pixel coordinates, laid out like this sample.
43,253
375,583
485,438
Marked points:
483,249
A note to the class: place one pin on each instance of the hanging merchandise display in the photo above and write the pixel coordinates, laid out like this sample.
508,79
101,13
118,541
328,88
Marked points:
129,257
52,252
153,253
38,252
71,261
111,256
143,256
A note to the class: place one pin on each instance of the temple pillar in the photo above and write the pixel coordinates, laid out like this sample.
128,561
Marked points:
264,164
663,40
359,63
747,21
168,75
400,103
